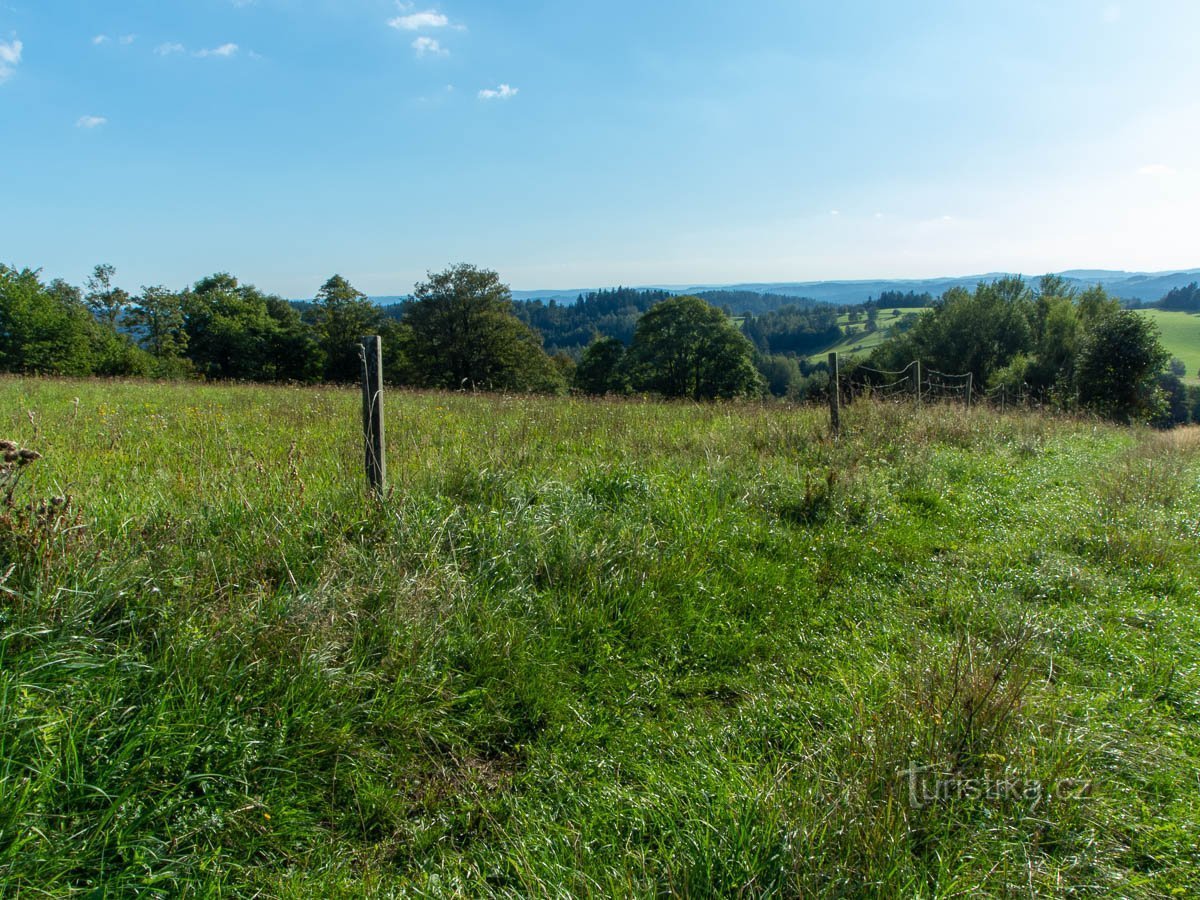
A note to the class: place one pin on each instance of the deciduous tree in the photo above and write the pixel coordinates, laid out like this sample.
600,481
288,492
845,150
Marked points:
683,347
464,334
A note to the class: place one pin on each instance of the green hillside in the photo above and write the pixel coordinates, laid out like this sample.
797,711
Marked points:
1181,337
859,341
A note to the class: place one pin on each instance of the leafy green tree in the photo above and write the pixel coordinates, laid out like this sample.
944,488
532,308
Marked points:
1174,409
1116,372
464,334
980,332
50,330
1177,367
781,373
105,300
235,331
341,317
600,369
1051,365
157,319
41,331
295,353
683,347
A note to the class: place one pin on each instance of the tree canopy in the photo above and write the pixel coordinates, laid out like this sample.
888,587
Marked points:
683,347
464,334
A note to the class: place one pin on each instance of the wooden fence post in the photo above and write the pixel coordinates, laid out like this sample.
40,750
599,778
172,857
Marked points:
372,394
835,396
917,382
970,387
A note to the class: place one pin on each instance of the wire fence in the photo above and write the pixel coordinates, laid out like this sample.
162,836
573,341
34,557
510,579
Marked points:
918,384
921,384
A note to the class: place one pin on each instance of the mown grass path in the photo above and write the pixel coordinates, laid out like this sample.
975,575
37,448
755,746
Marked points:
593,648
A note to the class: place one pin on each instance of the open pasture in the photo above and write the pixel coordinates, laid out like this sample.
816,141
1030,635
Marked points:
592,648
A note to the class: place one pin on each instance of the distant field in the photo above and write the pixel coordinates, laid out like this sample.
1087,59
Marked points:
1181,337
599,648
858,341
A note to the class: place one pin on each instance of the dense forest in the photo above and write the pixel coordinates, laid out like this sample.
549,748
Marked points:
1048,344
1182,299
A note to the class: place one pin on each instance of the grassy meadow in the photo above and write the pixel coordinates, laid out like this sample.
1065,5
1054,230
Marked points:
1181,337
860,342
592,648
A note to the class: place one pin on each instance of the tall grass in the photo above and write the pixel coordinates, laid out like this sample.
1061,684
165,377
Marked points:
591,648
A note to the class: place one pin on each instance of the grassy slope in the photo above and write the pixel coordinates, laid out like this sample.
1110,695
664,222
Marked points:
599,648
858,341
1181,337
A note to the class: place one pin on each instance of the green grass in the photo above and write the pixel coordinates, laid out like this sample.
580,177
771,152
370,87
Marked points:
1181,337
591,648
858,341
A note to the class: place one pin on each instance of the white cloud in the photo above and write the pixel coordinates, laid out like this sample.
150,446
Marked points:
124,40
1157,170
225,50
10,58
503,92
169,49
835,212
428,46
419,21
127,39
100,39
91,122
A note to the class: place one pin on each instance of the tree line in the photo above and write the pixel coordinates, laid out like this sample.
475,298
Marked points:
1049,344
460,329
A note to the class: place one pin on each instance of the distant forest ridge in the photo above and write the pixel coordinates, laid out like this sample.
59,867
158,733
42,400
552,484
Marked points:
1131,287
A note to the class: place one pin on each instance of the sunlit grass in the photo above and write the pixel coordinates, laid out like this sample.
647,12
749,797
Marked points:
605,648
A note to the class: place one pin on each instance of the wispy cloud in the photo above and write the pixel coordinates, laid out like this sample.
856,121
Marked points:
127,39
225,50
100,39
503,92
10,58
427,46
420,21
89,122
1157,170
124,40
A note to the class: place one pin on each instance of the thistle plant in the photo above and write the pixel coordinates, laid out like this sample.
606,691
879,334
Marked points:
26,523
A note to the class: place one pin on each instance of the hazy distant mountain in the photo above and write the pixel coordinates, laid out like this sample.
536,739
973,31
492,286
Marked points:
1146,286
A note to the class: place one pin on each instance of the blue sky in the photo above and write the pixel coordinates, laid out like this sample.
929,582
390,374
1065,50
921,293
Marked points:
578,144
